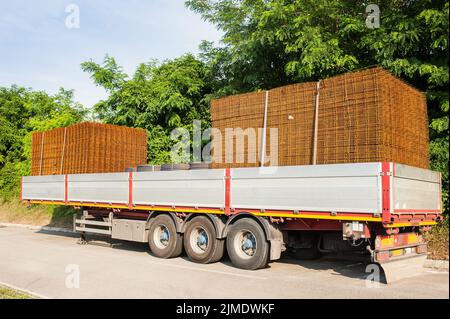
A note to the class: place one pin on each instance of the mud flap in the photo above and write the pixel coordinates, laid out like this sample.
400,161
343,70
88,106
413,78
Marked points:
400,255
407,267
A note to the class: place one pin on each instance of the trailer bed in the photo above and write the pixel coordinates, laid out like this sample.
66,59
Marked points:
391,193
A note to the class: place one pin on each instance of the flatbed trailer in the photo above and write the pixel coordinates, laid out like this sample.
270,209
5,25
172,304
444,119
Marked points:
376,210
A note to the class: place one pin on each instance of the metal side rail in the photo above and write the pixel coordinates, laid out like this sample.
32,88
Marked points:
87,224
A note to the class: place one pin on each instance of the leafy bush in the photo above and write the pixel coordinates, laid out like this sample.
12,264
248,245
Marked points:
159,97
438,241
10,177
22,112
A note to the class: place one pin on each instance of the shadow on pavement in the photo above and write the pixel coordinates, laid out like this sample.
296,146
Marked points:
348,268
339,266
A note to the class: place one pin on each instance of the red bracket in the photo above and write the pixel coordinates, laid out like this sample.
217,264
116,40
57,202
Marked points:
386,192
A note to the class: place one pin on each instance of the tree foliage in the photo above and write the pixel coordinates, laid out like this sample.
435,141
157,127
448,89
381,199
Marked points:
23,111
158,97
268,43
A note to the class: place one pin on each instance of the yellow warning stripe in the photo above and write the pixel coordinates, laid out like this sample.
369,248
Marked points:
397,252
263,214
394,225
313,216
387,242
209,211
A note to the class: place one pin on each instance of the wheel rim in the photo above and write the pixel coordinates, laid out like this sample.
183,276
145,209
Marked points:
245,244
199,240
161,237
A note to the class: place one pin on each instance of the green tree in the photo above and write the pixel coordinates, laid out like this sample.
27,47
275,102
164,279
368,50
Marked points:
268,43
158,97
23,111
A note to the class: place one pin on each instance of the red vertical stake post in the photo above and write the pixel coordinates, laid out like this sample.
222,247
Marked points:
386,192
21,188
440,193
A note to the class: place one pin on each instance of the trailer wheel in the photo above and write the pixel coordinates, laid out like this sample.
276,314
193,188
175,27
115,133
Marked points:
247,245
200,241
163,239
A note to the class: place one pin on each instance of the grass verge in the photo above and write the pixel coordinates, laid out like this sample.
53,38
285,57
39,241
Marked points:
8,293
13,211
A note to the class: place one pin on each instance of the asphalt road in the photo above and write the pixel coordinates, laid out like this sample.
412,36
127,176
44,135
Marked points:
53,265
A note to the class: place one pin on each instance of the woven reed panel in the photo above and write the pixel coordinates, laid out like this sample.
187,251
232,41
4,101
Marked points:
87,148
364,116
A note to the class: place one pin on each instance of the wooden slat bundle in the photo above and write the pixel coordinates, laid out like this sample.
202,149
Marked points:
363,116
87,148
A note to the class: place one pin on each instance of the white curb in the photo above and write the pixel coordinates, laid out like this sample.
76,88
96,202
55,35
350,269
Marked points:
441,265
47,228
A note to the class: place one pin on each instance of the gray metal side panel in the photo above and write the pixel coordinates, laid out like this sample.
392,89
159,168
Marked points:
203,188
49,187
128,229
303,171
416,188
340,187
105,188
421,174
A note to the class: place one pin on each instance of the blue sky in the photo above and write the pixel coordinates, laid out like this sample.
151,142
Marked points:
37,49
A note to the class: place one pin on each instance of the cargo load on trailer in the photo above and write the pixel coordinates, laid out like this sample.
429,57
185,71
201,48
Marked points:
87,148
363,116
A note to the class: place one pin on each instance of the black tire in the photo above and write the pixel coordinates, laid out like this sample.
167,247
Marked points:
194,166
257,256
175,167
205,252
148,168
173,246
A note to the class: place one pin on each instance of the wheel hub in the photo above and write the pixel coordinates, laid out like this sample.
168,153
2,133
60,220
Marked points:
199,240
161,237
248,245
202,240
164,238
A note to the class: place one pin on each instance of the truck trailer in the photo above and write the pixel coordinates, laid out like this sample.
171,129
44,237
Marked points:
376,211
